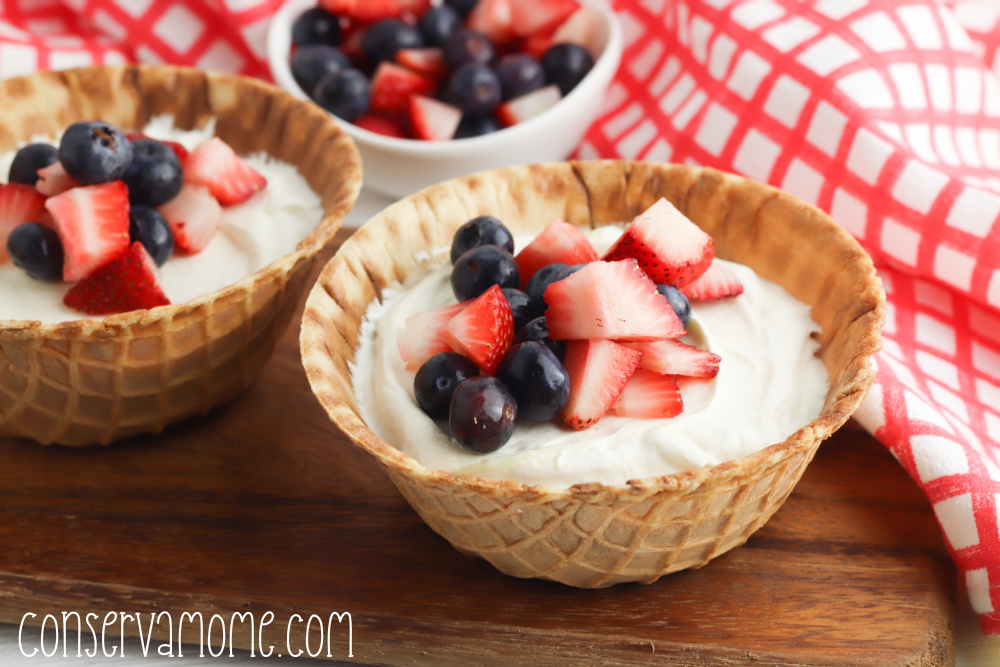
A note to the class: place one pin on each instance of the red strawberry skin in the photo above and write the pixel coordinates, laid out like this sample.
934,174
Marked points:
128,282
194,216
483,331
672,357
649,395
422,337
717,282
559,242
227,176
494,19
92,223
598,371
19,204
429,61
385,125
531,16
392,86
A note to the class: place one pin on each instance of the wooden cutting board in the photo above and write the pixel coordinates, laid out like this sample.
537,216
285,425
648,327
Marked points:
264,506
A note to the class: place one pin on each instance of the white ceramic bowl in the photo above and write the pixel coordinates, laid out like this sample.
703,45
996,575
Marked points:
400,167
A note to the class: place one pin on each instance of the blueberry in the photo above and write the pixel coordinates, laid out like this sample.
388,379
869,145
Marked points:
476,125
538,330
484,230
474,88
311,63
566,64
483,414
436,380
520,306
148,226
519,75
316,26
37,250
27,162
536,286
481,268
461,7
438,24
678,302
536,378
345,94
570,270
94,152
467,46
155,175
385,38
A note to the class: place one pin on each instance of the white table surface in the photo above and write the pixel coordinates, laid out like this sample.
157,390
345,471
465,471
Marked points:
975,649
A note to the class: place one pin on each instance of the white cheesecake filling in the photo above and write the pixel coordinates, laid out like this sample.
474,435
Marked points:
770,384
251,235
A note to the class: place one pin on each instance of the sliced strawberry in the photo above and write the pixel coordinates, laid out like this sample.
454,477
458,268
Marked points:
19,204
422,337
669,247
177,148
527,106
649,395
128,282
598,371
531,16
672,357
53,180
351,42
92,223
583,28
482,331
494,19
363,10
230,179
610,300
194,216
388,126
537,44
432,120
559,242
392,86
717,282
429,61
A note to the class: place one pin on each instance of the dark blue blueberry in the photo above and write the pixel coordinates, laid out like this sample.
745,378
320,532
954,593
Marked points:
536,378
36,250
155,175
678,302
461,7
570,270
538,330
148,226
27,162
481,268
467,46
566,64
536,286
316,26
311,63
476,125
382,40
94,152
484,230
520,306
345,94
436,380
483,414
474,88
519,75
438,24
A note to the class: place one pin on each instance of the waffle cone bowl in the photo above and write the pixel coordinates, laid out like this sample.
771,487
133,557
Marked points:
594,535
92,381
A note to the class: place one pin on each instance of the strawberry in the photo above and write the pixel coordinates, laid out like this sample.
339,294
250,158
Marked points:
527,106
717,282
429,61
531,16
538,43
422,337
583,28
177,148
19,204
229,178
483,331
385,125
128,282
598,371
351,42
92,223
559,242
392,85
669,247
612,300
363,10
432,120
494,19
672,357
53,180
649,395
194,217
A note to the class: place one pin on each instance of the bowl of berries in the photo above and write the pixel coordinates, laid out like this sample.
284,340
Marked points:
157,227
433,92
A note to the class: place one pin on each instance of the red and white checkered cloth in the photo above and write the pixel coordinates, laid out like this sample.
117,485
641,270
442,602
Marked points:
885,114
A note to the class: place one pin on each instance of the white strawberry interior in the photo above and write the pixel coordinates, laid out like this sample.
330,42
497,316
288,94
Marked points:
662,221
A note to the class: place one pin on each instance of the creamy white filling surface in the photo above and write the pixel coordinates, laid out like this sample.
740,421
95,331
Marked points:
251,236
769,385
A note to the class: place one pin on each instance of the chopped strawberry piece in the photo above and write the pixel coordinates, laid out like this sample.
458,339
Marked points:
363,10
494,19
559,242
387,126
649,395
672,357
194,216
717,282
429,61
128,282
537,44
19,204
432,120
528,106
92,223
598,371
422,336
669,247
583,28
177,148
230,179
483,331
609,300
392,86
531,16
53,180
351,43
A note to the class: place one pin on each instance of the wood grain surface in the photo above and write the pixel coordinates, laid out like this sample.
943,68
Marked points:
264,506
